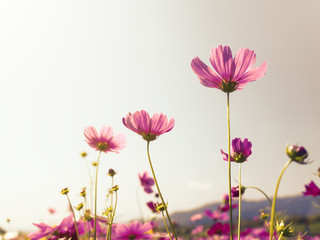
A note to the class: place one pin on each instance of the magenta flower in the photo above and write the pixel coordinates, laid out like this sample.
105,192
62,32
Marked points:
219,229
230,73
149,128
312,189
146,182
240,151
105,141
235,191
133,231
152,207
66,229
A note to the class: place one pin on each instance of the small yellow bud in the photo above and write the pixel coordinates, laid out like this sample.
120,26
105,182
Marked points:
107,211
94,164
79,207
84,154
115,188
65,191
161,207
83,192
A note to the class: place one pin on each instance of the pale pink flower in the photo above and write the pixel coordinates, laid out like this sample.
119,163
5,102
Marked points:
230,73
149,128
196,217
52,210
105,141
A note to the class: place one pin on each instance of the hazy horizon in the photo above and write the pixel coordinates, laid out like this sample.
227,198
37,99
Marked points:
66,65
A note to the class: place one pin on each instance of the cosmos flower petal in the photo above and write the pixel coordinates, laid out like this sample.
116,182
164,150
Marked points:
206,75
254,74
244,61
222,61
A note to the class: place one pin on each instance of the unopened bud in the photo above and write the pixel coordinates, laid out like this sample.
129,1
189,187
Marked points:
65,191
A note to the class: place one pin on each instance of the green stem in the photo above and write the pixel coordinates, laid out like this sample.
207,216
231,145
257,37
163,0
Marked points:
269,200
95,200
113,214
273,208
74,217
165,223
229,169
164,204
239,217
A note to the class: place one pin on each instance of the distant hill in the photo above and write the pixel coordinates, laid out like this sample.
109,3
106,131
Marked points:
291,206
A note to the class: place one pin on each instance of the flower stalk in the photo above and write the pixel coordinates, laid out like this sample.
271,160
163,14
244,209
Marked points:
229,168
273,207
156,182
74,216
95,200
240,193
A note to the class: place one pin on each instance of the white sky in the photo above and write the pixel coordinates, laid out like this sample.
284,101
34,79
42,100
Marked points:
65,65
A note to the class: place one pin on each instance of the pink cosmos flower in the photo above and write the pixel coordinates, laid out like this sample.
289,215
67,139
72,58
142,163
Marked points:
134,230
105,141
197,229
311,189
146,182
240,150
66,229
216,215
149,128
52,210
230,73
196,217
219,229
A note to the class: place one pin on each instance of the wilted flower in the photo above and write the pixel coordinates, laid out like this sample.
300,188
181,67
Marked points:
149,128
105,141
312,189
146,182
297,153
240,151
230,73
285,230
235,191
133,231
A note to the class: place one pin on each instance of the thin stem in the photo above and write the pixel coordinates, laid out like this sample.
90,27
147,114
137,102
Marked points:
269,200
113,214
74,217
165,223
95,200
229,169
164,204
239,217
139,204
280,236
273,208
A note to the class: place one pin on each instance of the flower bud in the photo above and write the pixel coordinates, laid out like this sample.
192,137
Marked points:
79,207
161,207
235,191
83,192
297,153
111,172
84,154
65,191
